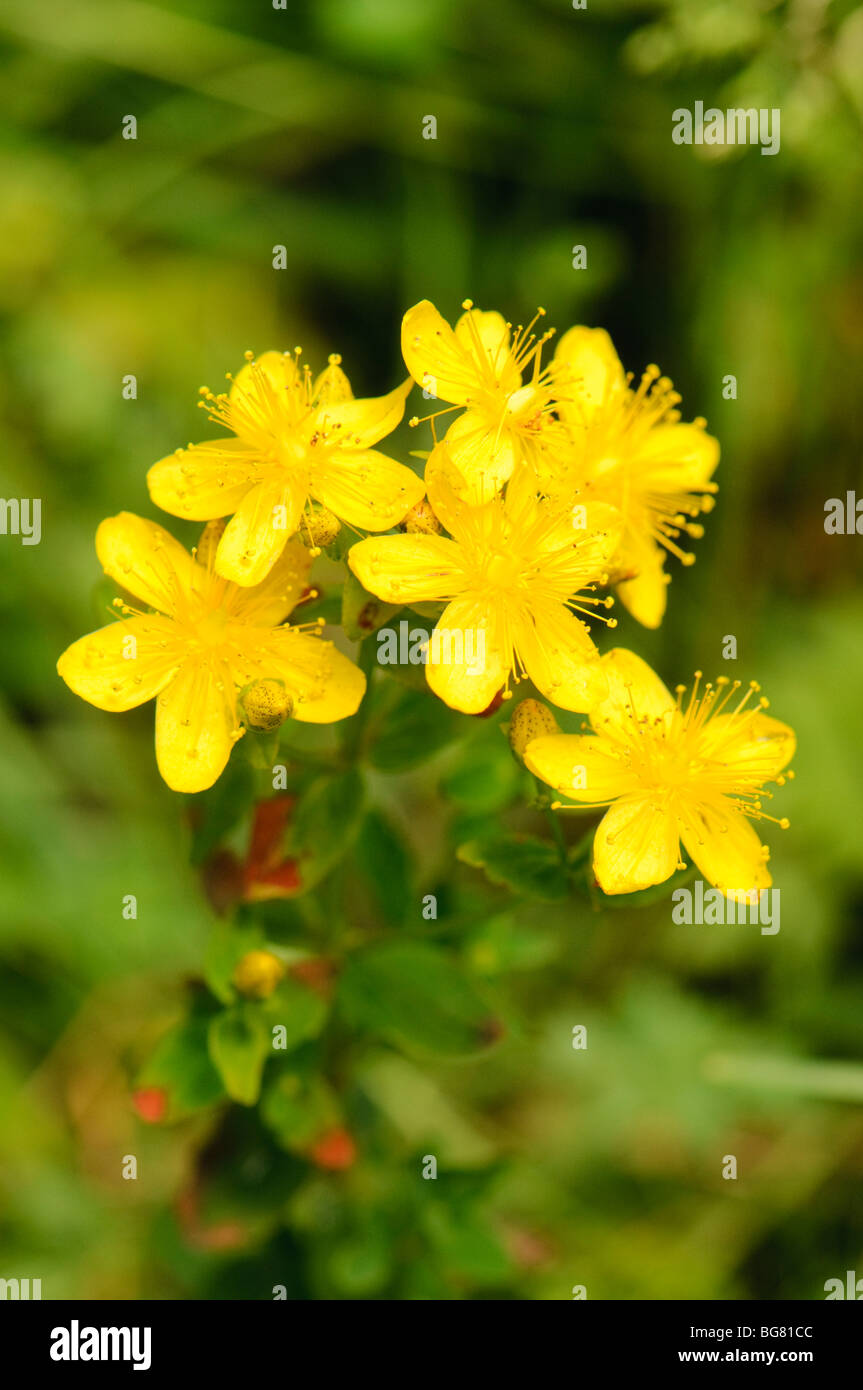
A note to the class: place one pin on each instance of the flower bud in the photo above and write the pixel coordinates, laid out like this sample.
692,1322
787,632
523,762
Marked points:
266,704
319,527
335,1150
421,520
530,719
258,974
151,1103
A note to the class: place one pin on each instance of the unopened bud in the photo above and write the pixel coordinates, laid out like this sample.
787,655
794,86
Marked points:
335,1150
266,704
530,719
151,1103
319,527
258,974
421,520
205,553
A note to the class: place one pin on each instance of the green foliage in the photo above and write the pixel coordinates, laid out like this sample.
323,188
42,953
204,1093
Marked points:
411,729
184,1067
523,863
327,818
411,994
239,1041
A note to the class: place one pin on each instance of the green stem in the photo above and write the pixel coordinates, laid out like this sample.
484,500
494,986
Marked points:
356,726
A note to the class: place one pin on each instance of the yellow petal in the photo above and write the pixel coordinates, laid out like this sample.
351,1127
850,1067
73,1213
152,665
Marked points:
486,336
448,494
583,539
675,458
556,649
466,666
360,424
269,603
145,559
366,488
583,767
645,595
523,505
634,692
589,372
255,536
279,368
408,569
484,456
556,463
724,846
194,727
332,386
324,684
435,358
636,845
757,748
204,481
124,664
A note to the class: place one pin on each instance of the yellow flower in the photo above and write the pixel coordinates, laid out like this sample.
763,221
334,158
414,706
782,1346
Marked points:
296,439
629,449
206,640
480,366
510,573
671,770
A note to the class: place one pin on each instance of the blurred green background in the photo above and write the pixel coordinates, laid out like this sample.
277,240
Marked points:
303,127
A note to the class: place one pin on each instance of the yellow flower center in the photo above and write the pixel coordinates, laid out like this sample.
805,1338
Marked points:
209,632
280,419
682,751
611,440
504,571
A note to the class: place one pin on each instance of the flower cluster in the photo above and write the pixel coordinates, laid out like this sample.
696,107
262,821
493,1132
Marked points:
553,487
212,627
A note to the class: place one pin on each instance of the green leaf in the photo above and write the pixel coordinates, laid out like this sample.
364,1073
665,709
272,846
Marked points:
297,1109
467,1247
521,862
325,823
362,613
382,859
181,1064
300,1011
239,1044
360,1266
410,993
415,727
501,944
487,776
